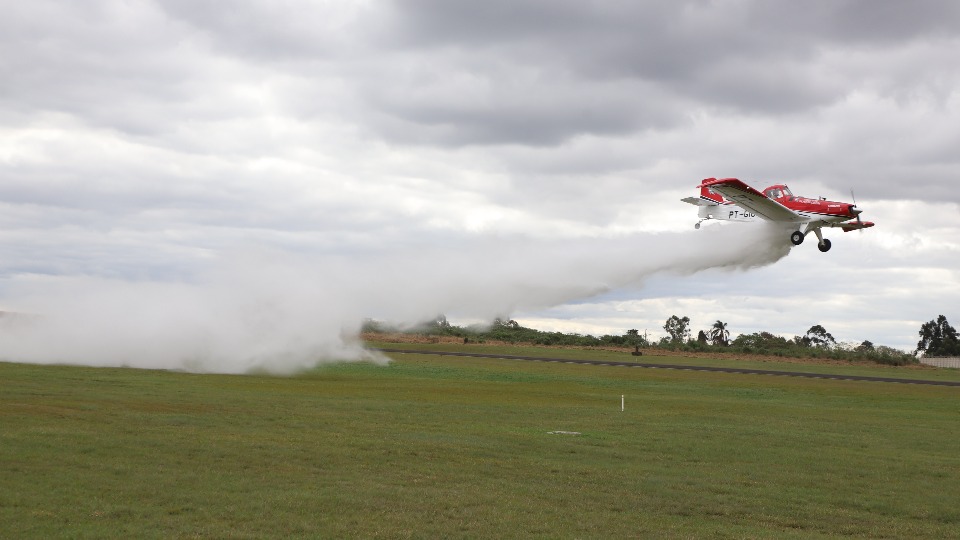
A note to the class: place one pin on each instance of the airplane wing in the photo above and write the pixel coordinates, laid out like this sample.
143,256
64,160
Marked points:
747,197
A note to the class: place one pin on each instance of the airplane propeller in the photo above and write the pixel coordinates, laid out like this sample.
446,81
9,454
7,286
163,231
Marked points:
854,197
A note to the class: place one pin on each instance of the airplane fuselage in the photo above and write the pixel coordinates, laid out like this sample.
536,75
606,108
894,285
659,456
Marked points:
812,208
729,199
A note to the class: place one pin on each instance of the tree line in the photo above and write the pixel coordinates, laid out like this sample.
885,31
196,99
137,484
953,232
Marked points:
937,338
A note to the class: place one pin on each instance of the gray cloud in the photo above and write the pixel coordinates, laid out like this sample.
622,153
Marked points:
754,57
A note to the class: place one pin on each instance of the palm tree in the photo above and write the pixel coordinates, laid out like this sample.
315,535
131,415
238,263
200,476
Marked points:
719,334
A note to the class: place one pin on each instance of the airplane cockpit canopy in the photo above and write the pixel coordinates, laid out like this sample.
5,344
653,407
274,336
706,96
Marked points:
779,192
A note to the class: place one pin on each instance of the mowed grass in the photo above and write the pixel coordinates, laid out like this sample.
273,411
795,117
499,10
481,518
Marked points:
447,447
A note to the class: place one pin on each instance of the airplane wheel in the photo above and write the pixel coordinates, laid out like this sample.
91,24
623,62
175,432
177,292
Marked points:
825,246
796,238
697,226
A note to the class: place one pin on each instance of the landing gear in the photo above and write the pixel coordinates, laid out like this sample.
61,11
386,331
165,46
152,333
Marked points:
822,243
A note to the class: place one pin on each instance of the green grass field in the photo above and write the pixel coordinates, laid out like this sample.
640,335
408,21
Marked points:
441,446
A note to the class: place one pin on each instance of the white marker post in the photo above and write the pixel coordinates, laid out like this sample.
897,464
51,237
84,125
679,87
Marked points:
621,402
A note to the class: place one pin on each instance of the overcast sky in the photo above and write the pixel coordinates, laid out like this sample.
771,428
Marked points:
139,141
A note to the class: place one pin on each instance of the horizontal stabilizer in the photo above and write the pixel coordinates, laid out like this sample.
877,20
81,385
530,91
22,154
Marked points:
697,201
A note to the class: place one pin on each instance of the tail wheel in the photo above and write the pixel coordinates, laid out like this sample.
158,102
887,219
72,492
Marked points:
824,246
796,238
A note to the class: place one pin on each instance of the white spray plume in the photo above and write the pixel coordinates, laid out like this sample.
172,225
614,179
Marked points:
279,312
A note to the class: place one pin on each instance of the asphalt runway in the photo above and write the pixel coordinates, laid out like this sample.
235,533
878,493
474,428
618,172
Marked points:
681,367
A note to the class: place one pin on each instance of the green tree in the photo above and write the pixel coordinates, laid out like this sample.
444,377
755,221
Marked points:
764,342
819,337
508,323
633,337
938,338
678,328
719,334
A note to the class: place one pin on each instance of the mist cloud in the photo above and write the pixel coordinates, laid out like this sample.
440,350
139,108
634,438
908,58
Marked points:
280,312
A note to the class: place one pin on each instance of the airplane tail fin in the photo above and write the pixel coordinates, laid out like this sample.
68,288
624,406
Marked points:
708,195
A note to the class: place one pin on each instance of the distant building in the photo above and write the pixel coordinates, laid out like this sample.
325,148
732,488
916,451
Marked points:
941,361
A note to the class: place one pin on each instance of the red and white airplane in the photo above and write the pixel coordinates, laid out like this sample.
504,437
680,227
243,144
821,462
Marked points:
730,199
